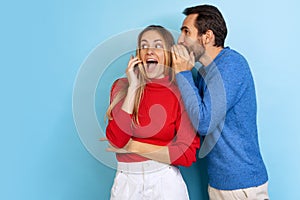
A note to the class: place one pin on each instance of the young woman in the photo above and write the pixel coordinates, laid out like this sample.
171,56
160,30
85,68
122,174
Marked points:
147,120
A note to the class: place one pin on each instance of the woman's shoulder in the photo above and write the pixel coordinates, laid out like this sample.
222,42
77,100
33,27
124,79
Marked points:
122,80
118,85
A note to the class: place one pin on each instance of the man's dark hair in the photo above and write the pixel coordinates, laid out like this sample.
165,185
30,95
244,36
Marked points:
209,18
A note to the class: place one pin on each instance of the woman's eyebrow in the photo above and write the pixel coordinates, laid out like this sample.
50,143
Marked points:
157,40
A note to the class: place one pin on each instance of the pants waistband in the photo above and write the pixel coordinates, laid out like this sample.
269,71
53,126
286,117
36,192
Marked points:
142,167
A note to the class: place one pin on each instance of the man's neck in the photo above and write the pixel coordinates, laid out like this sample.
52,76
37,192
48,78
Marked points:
209,55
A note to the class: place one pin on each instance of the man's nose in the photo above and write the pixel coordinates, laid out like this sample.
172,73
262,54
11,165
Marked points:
180,39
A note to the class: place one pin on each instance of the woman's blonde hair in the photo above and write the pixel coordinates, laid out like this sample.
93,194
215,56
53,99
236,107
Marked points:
168,41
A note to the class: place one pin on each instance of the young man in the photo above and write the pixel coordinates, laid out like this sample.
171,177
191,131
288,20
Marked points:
221,103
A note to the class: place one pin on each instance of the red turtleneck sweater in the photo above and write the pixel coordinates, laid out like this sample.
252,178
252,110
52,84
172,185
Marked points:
163,121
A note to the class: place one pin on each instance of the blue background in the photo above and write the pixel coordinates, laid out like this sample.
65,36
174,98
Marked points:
44,43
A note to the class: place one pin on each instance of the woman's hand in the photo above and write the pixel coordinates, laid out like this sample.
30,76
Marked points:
111,148
132,75
132,72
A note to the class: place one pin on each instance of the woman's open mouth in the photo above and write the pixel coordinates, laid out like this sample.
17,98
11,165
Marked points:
151,64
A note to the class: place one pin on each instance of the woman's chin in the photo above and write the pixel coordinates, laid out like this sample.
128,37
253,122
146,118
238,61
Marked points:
154,76
150,76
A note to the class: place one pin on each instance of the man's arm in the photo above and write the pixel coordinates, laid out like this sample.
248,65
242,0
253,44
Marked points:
207,110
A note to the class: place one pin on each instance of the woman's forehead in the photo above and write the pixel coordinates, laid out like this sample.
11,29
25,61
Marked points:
151,35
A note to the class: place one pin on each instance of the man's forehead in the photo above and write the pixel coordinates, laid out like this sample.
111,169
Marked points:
189,21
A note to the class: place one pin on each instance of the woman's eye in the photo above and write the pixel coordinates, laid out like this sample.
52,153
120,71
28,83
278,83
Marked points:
158,46
144,46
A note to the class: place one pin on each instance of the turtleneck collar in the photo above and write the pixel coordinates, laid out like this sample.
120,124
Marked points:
165,81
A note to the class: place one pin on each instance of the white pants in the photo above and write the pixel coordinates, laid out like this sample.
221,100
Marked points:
252,193
148,180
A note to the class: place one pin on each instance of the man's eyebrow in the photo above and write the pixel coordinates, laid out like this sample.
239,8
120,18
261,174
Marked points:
184,27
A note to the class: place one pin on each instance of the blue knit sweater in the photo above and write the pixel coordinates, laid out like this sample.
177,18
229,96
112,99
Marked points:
221,103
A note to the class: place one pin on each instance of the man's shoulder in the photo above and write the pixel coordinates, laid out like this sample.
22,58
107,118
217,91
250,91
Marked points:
230,58
228,52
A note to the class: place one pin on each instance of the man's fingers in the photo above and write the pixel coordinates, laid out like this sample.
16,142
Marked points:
183,52
192,58
180,51
176,51
174,56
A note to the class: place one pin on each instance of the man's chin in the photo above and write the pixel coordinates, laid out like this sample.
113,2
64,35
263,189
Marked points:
197,57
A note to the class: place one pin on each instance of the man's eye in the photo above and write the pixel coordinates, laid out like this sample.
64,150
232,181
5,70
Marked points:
185,31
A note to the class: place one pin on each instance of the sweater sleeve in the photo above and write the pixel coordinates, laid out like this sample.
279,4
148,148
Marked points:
197,107
205,104
220,90
118,130
182,149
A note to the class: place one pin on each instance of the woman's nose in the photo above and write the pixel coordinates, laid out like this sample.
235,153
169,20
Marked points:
149,51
